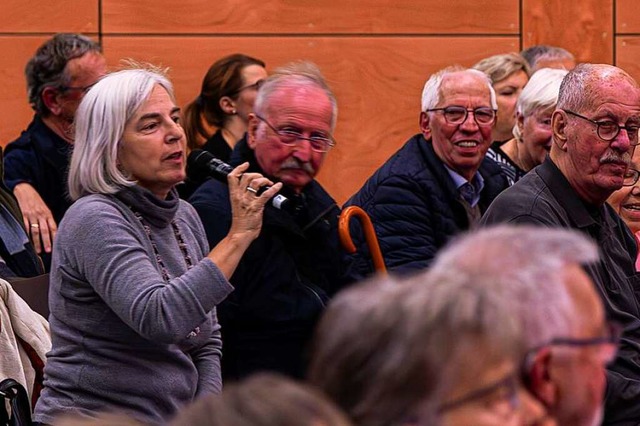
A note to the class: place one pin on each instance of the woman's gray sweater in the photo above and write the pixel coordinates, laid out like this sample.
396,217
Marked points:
119,330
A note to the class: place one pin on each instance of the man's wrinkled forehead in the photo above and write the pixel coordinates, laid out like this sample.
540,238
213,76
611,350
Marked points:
463,83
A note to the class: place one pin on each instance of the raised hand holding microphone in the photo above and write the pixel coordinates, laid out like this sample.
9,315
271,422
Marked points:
248,198
204,162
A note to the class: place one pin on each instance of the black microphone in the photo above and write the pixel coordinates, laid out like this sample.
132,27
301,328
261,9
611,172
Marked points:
203,161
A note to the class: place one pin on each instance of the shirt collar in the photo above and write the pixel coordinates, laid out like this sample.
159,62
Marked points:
477,183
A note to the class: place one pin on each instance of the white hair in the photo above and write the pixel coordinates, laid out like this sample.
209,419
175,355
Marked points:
100,123
431,93
540,93
295,74
526,266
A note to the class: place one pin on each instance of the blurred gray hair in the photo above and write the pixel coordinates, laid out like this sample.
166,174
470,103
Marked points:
540,52
525,266
294,74
540,93
370,356
431,93
48,66
100,123
389,349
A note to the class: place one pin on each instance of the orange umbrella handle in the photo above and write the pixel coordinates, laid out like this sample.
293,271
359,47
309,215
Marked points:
369,235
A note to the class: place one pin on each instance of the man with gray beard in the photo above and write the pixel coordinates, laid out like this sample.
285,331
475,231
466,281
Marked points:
290,271
595,131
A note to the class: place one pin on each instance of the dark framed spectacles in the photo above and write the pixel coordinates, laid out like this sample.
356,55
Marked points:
608,130
290,136
483,116
611,338
505,388
257,85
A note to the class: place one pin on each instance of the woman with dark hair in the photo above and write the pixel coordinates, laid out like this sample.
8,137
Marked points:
226,98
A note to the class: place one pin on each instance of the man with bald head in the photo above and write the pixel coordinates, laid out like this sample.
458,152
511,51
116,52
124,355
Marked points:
439,183
595,131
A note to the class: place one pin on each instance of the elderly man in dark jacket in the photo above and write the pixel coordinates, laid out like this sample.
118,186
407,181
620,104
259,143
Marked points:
287,275
595,132
58,75
439,183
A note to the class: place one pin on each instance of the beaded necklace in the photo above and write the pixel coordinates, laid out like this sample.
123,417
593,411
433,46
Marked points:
179,239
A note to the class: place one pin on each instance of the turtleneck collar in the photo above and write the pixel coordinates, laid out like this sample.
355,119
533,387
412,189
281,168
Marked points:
159,213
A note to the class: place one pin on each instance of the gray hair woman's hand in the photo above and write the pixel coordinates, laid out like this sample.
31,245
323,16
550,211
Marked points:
246,205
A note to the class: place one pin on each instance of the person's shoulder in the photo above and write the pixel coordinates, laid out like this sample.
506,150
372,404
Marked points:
91,215
209,191
20,144
93,204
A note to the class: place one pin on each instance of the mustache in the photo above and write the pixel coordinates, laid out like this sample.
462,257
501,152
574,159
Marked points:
294,163
615,158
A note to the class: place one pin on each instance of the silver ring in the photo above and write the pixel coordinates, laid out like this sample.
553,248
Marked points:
35,225
250,189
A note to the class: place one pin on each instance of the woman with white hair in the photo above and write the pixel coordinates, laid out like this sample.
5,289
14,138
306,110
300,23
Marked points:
134,287
532,132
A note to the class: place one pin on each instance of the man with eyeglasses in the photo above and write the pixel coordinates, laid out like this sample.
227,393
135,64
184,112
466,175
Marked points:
290,271
565,340
595,131
439,183
58,75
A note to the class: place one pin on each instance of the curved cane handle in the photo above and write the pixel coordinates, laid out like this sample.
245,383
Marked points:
369,235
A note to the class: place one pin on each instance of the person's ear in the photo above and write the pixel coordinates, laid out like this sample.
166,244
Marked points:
559,124
50,98
519,122
539,377
252,129
424,125
227,105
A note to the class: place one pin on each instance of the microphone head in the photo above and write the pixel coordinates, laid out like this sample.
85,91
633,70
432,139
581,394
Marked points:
199,158
203,163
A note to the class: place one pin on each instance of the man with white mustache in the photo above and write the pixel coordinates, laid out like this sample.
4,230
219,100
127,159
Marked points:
595,131
439,183
290,271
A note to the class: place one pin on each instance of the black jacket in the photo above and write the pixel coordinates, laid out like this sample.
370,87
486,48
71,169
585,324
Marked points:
415,209
41,158
283,281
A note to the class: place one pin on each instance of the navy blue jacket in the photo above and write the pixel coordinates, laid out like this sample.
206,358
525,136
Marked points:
282,282
41,158
414,206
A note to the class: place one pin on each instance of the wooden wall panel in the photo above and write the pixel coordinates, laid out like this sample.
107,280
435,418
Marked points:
46,16
377,80
15,112
628,55
627,17
311,17
583,27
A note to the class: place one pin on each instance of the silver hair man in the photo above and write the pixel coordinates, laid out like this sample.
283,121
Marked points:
526,265
431,93
537,272
301,73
